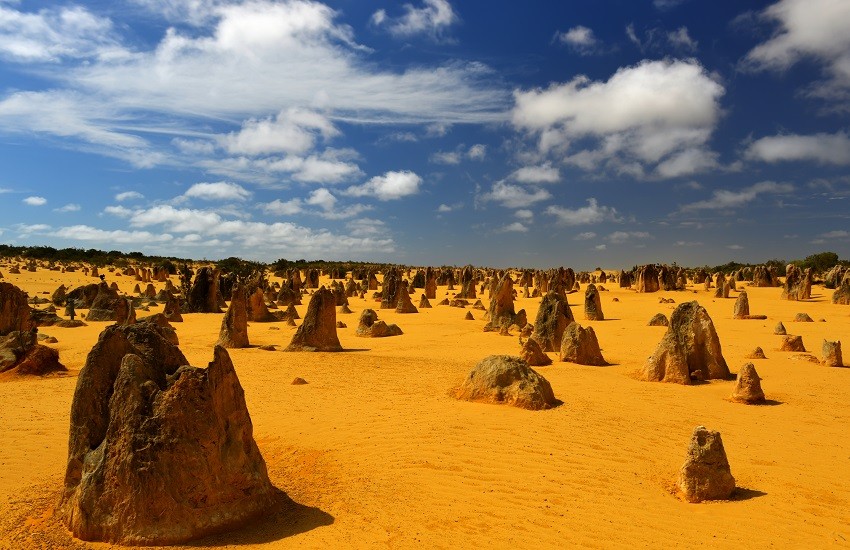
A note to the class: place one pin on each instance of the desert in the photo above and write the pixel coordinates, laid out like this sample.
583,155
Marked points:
378,448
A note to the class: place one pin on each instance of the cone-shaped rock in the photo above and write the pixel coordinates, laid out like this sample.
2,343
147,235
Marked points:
391,290
689,349
592,304
533,354
204,294
803,318
256,308
468,316
404,305
553,317
424,303
507,380
159,452
706,475
647,279
234,325
748,386
780,329
344,309
579,345
318,331
658,320
832,354
757,353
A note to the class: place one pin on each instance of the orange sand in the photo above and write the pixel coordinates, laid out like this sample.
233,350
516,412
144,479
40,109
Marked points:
373,452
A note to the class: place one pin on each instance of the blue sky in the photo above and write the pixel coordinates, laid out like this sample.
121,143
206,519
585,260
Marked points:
580,133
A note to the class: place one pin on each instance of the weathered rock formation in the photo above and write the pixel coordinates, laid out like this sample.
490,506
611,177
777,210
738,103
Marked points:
159,452
108,305
579,345
747,386
779,329
592,304
234,325
318,331
507,380
831,352
15,313
690,349
370,327
404,305
658,320
501,311
742,308
647,279
424,303
842,293
553,317
706,474
203,296
757,353
21,354
532,354
792,343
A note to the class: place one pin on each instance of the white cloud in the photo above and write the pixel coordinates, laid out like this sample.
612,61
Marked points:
723,199
667,4
390,186
120,211
293,131
35,201
652,113
735,247
55,33
839,234
515,227
814,29
323,199
283,208
544,173
514,196
586,215
681,40
70,207
586,236
600,247
687,243
445,208
128,196
524,214
432,19
366,227
88,233
477,152
442,157
822,148
6,190
620,237
580,38
218,191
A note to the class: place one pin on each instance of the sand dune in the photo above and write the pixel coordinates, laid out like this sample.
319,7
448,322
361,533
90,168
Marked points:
374,452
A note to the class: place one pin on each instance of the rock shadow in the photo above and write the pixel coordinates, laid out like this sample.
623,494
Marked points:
286,518
742,493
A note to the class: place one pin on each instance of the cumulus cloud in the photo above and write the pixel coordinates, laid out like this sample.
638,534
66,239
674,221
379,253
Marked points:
681,40
580,39
283,208
514,196
323,199
524,214
443,157
89,233
119,211
544,173
477,152
808,29
432,19
128,196
723,199
390,186
822,148
70,207
585,215
646,115
218,191
35,201
293,131
446,208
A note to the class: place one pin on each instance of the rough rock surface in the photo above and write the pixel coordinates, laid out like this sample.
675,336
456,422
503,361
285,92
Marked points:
842,293
404,305
159,452
553,317
780,329
203,297
507,380
742,306
792,343
234,325
579,345
706,474
424,303
318,331
108,305
19,353
370,327
757,353
592,304
747,386
831,352
647,279
14,311
803,318
501,311
690,349
533,354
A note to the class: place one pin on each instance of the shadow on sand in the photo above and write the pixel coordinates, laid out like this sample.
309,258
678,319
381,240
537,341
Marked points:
285,519
742,493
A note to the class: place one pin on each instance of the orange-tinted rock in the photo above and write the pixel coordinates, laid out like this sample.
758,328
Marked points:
508,380
706,474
